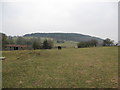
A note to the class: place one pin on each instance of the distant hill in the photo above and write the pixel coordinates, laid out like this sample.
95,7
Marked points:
65,36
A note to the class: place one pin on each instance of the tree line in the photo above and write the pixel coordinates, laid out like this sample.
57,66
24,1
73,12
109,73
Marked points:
94,43
34,43
90,43
37,43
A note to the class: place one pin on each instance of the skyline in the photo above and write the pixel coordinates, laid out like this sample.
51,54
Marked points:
99,19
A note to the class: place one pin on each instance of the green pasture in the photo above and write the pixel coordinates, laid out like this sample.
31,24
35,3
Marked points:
95,67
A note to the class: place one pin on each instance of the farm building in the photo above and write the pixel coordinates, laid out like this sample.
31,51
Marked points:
15,47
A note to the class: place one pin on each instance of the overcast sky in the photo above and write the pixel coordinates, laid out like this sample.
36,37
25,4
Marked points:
95,18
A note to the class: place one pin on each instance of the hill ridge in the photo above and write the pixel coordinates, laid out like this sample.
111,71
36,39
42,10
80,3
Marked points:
65,36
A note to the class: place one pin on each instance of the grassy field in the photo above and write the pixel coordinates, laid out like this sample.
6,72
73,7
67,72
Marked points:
67,44
66,68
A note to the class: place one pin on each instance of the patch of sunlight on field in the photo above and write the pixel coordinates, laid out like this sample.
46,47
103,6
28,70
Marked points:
67,44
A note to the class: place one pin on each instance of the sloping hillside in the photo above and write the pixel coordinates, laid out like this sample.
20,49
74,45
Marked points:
65,36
